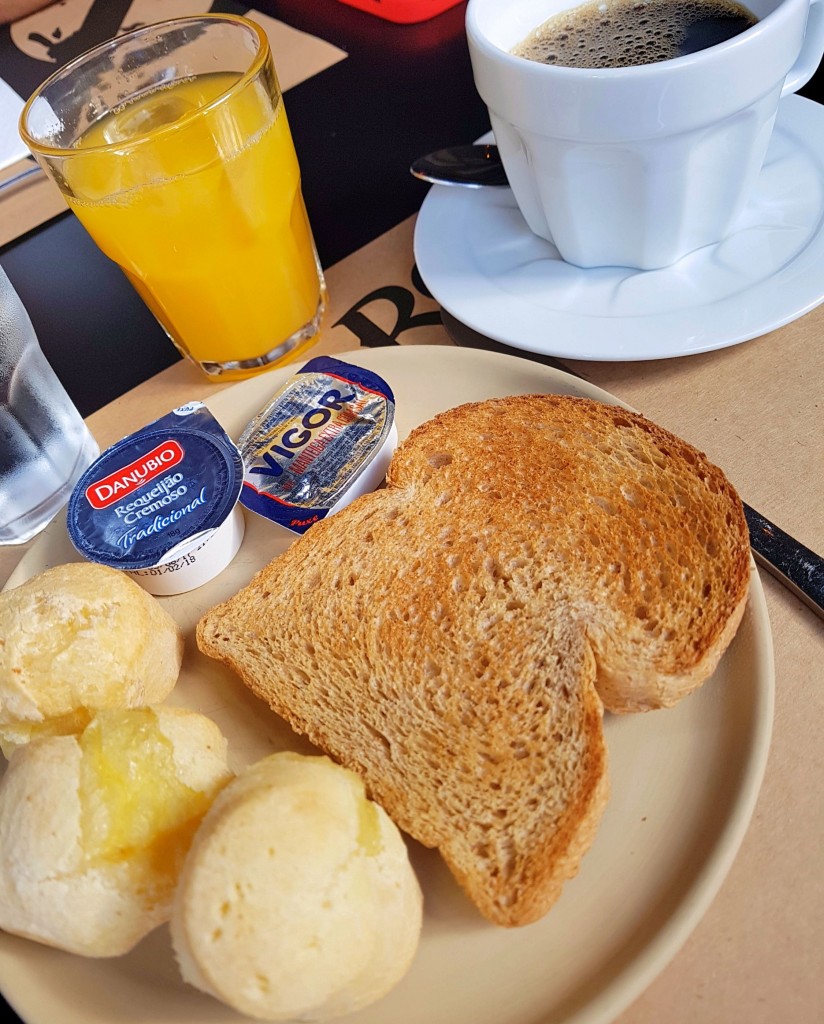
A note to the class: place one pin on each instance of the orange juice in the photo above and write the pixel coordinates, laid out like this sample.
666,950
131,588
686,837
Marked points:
198,199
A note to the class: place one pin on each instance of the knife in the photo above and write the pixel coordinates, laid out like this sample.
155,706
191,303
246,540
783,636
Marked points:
791,562
787,559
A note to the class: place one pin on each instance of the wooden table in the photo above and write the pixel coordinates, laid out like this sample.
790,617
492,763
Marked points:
757,409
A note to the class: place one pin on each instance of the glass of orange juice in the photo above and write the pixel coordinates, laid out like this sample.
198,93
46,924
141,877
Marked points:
171,145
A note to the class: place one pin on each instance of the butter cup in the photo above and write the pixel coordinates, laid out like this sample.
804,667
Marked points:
162,504
196,561
324,438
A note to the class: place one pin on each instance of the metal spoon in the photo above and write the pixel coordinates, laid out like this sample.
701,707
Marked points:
471,166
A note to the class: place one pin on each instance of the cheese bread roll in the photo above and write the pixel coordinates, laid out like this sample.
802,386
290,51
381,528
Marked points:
297,899
80,637
94,828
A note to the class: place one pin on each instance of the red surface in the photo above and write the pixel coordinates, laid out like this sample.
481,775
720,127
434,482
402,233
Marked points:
403,11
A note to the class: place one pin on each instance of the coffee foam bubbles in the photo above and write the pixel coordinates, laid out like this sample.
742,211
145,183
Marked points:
625,33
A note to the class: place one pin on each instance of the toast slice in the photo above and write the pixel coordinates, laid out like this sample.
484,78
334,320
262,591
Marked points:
446,637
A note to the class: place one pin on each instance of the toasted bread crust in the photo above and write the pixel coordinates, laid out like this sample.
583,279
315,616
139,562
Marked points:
447,636
656,531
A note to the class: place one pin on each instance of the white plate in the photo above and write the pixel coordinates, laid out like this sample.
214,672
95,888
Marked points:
684,782
485,267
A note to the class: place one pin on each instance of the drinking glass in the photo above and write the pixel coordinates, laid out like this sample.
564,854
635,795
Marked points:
171,144
44,444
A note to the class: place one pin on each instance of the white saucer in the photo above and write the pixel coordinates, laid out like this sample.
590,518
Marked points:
484,266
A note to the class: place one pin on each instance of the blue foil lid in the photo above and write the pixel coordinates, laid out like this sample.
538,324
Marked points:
158,488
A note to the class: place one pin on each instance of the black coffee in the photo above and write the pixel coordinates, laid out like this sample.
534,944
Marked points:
623,33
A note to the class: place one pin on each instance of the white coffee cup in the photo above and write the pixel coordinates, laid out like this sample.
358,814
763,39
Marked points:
638,166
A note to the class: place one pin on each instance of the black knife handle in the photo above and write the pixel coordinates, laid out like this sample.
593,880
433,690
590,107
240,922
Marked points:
796,566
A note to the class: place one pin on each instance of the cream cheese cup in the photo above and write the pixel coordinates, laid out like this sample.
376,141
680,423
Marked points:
162,503
323,439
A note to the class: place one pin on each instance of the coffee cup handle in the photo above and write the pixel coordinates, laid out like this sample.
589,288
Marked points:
812,50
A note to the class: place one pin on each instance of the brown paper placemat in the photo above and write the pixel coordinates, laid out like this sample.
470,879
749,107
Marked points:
757,410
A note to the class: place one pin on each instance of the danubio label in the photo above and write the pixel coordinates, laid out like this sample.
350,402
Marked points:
174,480
122,482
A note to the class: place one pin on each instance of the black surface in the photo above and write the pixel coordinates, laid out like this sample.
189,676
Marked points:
403,90
94,329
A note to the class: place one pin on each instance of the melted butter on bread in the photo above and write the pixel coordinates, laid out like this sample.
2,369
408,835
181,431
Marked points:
369,834
94,828
134,805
